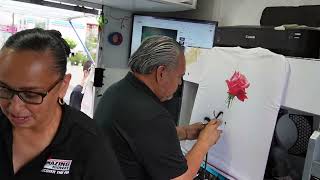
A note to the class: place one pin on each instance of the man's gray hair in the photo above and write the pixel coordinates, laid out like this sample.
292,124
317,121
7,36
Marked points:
155,51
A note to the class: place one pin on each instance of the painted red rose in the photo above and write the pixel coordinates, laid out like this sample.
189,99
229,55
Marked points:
237,86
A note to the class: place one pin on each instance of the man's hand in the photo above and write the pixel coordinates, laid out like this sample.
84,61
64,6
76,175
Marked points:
193,130
189,132
210,134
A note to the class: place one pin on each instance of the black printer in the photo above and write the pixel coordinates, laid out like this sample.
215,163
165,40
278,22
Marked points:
300,41
297,42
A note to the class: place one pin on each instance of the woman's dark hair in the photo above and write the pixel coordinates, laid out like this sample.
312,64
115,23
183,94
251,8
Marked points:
42,40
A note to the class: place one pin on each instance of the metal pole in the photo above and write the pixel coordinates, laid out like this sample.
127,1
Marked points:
84,46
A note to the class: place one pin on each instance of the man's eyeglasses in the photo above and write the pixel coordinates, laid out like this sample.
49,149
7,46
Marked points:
26,96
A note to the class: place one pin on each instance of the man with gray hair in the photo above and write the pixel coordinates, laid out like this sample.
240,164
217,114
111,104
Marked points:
142,131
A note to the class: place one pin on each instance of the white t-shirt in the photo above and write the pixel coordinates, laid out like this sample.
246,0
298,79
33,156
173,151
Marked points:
242,151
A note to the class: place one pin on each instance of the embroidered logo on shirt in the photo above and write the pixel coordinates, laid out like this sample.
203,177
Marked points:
57,166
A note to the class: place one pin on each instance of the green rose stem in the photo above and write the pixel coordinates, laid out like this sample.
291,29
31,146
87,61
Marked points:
230,99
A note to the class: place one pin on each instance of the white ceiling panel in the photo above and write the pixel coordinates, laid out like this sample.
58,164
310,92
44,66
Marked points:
38,10
149,5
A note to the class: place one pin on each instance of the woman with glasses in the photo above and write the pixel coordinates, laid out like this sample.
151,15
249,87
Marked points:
40,136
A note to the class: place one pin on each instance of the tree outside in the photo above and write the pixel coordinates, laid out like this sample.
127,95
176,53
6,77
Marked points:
72,43
78,59
92,39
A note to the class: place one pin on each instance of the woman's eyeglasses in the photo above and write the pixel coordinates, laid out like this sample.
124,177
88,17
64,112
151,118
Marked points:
26,96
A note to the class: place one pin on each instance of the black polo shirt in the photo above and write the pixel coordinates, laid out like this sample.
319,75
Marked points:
142,131
77,152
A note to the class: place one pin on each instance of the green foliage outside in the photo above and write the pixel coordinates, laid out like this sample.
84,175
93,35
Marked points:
40,25
72,43
78,59
94,56
91,44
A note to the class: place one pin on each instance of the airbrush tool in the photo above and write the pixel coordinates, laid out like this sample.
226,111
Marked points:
223,123
215,116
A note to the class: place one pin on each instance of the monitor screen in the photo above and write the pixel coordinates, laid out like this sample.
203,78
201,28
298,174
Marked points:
189,33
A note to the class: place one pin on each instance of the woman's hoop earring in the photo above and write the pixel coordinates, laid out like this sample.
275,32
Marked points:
60,101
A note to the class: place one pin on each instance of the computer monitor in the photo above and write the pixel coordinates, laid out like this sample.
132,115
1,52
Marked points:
189,33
